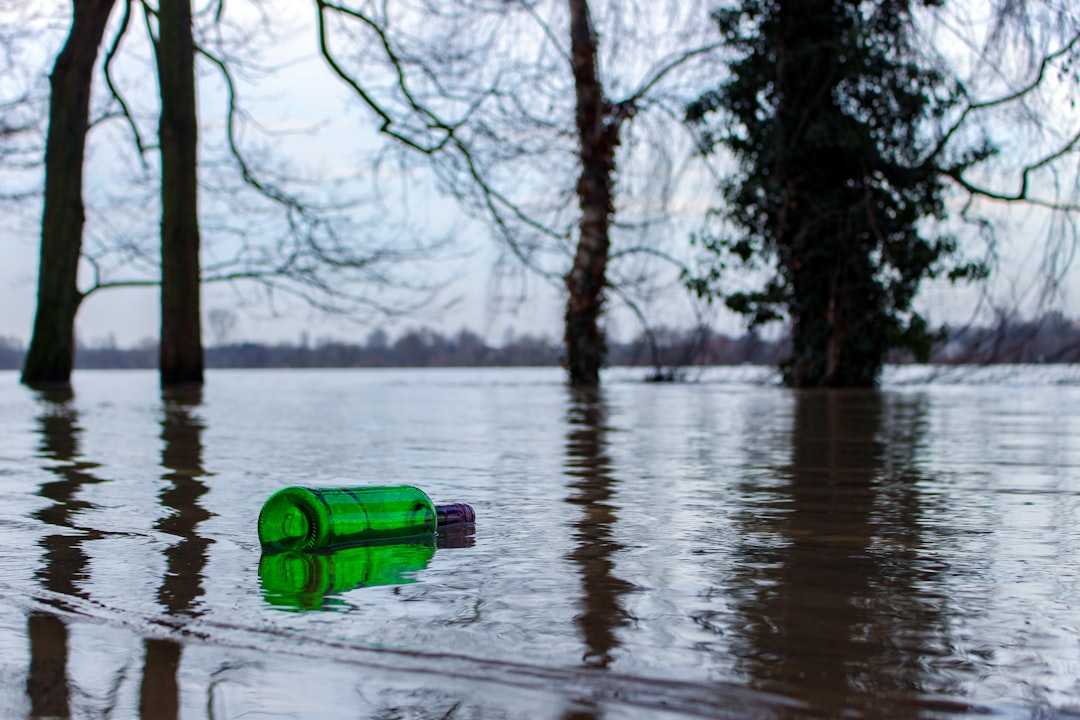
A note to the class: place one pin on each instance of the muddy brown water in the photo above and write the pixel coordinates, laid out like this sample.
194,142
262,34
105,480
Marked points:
721,548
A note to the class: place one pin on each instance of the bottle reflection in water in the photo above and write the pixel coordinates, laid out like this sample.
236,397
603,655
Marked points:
456,536
308,519
308,581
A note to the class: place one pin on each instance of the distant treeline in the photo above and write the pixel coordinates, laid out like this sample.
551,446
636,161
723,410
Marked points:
1052,338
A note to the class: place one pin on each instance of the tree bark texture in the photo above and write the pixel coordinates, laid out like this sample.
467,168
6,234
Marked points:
181,351
598,133
51,354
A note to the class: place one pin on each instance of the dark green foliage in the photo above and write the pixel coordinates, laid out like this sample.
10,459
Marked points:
826,111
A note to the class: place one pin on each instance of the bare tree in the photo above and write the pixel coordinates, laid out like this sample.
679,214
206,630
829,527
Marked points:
52,346
262,227
522,114
181,322
222,323
598,124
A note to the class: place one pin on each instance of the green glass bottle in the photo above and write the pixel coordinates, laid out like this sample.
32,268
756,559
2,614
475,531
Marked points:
306,519
309,581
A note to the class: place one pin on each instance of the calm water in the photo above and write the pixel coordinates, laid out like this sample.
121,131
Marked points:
725,548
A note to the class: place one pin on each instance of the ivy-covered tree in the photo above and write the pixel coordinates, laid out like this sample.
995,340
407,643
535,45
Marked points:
826,111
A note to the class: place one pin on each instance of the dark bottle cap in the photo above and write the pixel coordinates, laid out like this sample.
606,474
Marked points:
454,514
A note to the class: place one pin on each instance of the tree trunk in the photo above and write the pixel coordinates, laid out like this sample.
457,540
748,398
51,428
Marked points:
51,353
839,310
837,333
181,351
598,132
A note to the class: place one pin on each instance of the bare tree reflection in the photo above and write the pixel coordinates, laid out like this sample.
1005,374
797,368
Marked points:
159,694
65,561
583,713
593,485
185,561
181,455
829,605
47,684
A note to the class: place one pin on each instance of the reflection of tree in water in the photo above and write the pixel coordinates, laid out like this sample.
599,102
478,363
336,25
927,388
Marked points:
65,561
181,456
181,431
829,605
593,485
588,463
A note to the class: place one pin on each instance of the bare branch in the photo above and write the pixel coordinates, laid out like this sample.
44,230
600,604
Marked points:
1018,94
125,111
433,122
497,204
666,67
1023,193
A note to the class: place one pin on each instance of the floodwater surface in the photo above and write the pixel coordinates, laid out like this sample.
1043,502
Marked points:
722,548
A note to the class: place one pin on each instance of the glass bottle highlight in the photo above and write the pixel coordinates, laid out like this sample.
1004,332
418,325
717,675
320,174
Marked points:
305,519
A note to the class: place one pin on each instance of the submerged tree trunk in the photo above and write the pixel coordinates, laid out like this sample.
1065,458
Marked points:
181,351
51,353
838,331
598,133
828,232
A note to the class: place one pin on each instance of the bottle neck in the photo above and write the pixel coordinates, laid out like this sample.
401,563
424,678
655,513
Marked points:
454,514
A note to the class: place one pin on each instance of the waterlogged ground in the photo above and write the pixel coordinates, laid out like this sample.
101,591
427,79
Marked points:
723,548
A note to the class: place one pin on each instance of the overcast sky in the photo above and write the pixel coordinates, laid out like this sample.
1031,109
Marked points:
302,94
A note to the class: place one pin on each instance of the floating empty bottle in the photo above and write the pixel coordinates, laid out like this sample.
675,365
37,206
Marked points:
304,519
